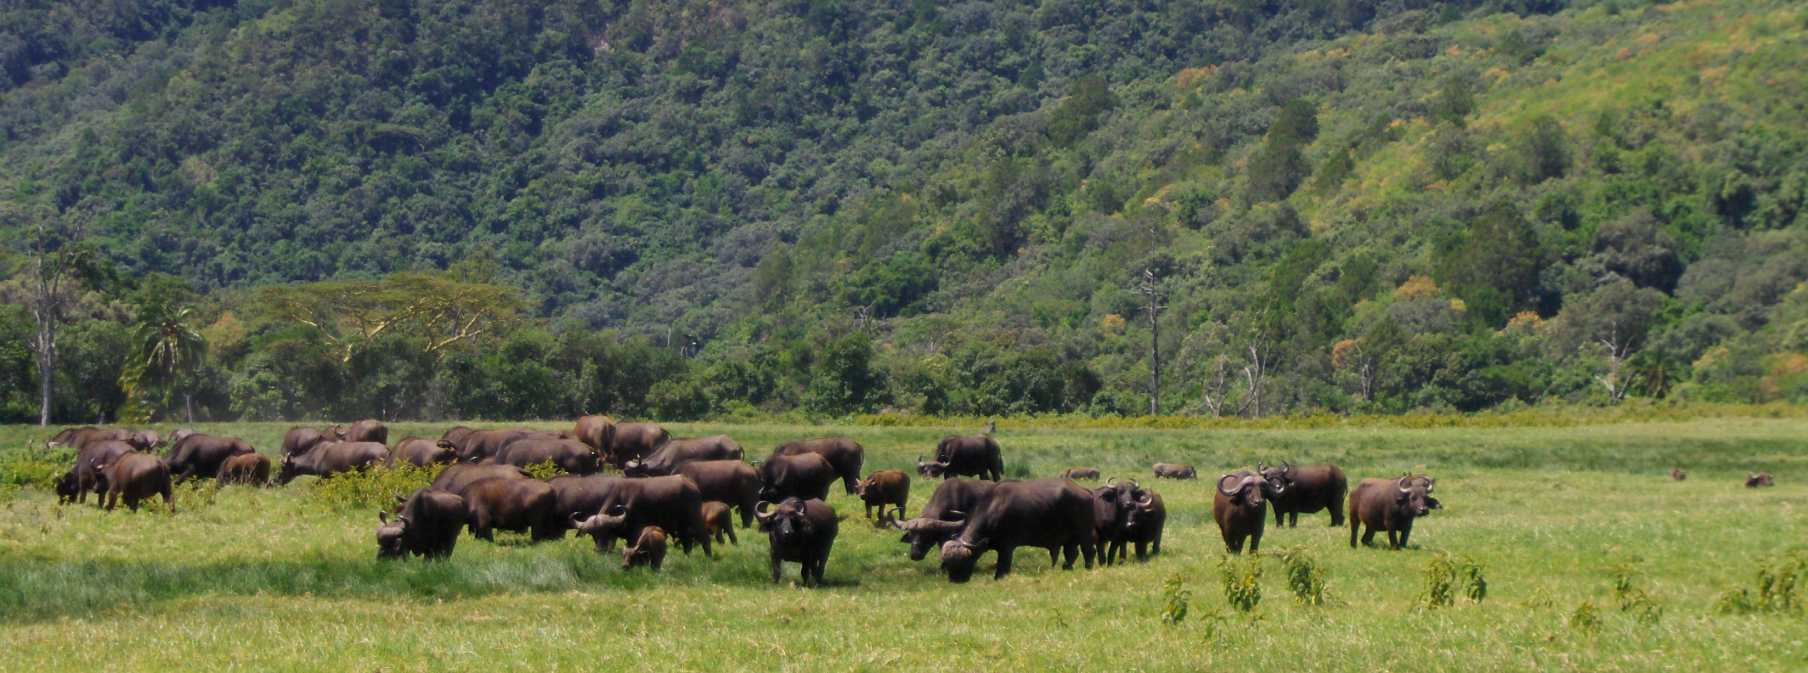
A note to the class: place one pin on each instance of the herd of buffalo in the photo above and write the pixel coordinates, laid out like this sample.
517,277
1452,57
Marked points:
687,492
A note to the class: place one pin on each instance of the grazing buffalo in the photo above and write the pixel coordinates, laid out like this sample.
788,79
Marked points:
1175,471
176,436
299,440
730,481
421,452
200,454
250,469
647,550
569,455
1676,474
578,496
805,476
666,459
479,445
454,438
137,476
944,515
426,525
634,440
1081,473
595,431
884,489
455,477
1390,505
510,504
66,488
718,522
367,430
801,531
88,477
1309,488
845,454
332,458
1757,479
976,456
80,438
1053,514
144,440
1148,515
1241,508
672,503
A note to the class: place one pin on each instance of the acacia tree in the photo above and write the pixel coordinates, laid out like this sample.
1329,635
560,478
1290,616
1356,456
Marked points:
437,309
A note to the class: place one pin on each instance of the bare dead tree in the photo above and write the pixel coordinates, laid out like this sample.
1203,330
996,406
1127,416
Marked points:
55,251
1151,290
1618,349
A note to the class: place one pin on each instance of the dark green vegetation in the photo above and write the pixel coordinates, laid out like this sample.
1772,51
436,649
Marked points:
946,208
1593,561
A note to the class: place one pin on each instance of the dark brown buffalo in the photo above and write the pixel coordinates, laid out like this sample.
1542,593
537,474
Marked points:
176,436
79,438
454,438
66,488
579,496
804,476
299,440
1053,514
91,478
668,457
569,455
845,454
1390,505
884,489
332,458
634,440
648,550
1081,473
1175,471
1110,517
479,445
144,440
250,469
426,525
367,430
1143,527
421,452
730,481
672,503
1757,479
456,476
66,436
801,531
200,454
595,431
1241,509
944,515
718,521
510,504
1676,474
1309,488
137,476
976,456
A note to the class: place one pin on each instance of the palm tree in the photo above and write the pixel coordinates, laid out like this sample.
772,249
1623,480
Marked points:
170,348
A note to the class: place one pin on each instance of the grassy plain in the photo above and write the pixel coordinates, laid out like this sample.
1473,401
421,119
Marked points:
274,580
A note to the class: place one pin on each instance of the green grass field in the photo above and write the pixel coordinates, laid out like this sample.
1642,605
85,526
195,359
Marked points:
278,580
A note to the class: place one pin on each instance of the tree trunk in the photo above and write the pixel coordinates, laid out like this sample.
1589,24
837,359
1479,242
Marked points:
188,406
45,370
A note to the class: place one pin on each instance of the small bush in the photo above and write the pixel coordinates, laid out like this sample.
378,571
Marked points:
1242,580
1778,587
375,488
1176,600
543,470
1631,597
1586,619
1446,573
1305,577
35,467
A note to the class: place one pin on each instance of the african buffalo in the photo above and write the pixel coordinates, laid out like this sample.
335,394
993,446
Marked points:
480,445
801,531
332,458
944,515
137,476
730,481
426,525
569,455
66,488
1676,474
803,476
884,489
1241,508
647,550
176,436
634,440
510,504
595,431
666,459
1175,471
1143,527
251,469
1390,505
299,440
977,456
1048,513
455,437
88,477
1757,479
845,454
1110,514
1081,473
1309,488
578,495
80,438
200,454
455,477
144,440
421,452
367,430
718,521
672,503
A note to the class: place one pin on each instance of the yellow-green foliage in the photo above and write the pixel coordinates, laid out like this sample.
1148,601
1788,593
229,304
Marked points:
377,487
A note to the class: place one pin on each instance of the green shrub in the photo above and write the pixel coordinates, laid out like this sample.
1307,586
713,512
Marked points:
1445,574
1778,587
1305,577
375,488
1242,580
1176,600
35,467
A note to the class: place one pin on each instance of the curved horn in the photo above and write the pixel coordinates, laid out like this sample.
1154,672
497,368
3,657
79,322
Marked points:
1111,482
759,511
954,515
1261,466
1147,499
1404,484
1221,481
576,520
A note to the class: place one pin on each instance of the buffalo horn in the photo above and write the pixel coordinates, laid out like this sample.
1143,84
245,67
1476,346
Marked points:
1225,478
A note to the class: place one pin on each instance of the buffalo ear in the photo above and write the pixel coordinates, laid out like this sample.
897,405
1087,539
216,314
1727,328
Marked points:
1433,503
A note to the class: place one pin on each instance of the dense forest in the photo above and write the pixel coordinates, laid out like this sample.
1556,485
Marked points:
509,209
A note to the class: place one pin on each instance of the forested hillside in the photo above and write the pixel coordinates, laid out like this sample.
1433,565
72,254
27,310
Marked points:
468,208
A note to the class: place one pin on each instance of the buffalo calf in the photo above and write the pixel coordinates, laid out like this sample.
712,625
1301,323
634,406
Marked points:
884,489
718,522
137,476
648,550
250,469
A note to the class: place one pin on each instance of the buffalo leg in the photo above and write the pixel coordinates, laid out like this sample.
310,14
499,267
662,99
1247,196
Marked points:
1004,563
1071,552
1235,542
1088,550
1141,551
1293,519
775,565
1255,541
1355,527
1405,532
1280,518
1368,537
112,498
1393,539
169,499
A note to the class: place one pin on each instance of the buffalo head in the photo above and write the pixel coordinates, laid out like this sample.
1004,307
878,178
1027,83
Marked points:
66,487
389,535
603,526
932,468
1249,489
922,533
785,522
959,556
1414,494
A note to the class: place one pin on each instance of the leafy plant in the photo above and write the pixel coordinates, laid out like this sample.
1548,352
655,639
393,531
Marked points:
1241,578
1176,600
1778,587
1445,575
374,488
1586,618
1305,577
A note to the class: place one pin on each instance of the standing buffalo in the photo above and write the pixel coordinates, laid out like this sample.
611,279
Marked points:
647,550
805,476
421,452
1110,516
87,476
1241,509
718,521
578,496
1053,514
299,440
199,454
672,503
845,454
251,469
455,477
976,456
595,431
801,531
944,515
332,458
634,440
137,476
884,489
1081,473
1757,479
730,481
426,525
1309,488
666,459
1175,471
1390,505
569,455
1142,528
510,504
367,430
